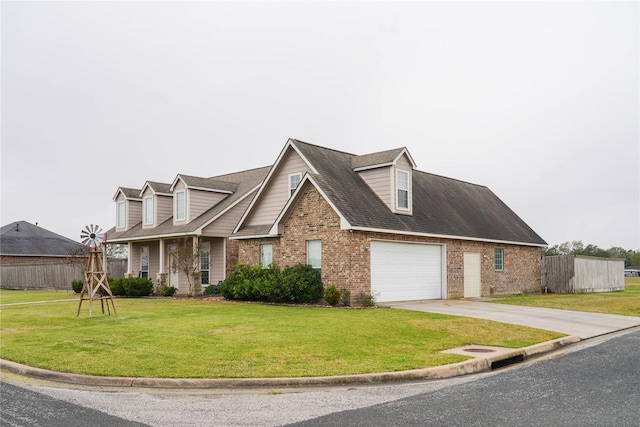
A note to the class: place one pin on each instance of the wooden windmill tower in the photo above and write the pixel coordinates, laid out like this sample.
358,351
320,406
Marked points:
96,285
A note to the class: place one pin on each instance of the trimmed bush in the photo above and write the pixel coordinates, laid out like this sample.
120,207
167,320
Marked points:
117,287
168,291
137,286
345,296
212,290
297,284
332,295
77,285
131,286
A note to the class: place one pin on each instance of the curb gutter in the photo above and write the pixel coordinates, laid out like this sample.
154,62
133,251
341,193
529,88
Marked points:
472,366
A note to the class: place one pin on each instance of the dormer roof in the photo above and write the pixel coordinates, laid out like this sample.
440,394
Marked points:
128,193
205,184
380,159
159,188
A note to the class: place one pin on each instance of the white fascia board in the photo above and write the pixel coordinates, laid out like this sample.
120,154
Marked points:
211,190
379,165
157,193
344,224
268,178
175,181
156,237
403,152
254,236
227,209
445,236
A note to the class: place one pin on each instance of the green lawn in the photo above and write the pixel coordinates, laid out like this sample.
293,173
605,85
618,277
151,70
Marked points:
191,338
22,296
626,302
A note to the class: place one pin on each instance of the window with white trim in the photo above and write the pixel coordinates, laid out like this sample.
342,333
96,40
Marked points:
498,259
148,210
266,255
205,262
294,181
314,254
121,216
402,190
144,262
180,206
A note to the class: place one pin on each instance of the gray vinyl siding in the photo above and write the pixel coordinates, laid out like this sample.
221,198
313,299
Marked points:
224,225
163,209
133,212
380,181
217,261
200,201
276,195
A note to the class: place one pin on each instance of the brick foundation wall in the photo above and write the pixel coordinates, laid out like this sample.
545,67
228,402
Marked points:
346,261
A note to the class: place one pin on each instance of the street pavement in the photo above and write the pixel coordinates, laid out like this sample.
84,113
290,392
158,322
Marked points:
581,324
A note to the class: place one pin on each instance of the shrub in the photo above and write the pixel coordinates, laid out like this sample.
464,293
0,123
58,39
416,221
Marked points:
137,286
299,284
168,291
345,296
367,300
212,290
117,287
77,285
332,295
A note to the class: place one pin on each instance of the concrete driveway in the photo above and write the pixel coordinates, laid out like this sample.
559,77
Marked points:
581,324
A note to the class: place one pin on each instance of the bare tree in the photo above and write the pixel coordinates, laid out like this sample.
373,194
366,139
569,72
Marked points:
187,253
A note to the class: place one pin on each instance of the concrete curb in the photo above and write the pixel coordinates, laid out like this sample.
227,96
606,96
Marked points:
479,364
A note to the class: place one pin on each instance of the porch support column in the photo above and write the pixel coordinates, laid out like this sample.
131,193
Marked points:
129,258
162,260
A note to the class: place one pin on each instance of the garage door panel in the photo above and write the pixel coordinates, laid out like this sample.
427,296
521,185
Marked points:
406,271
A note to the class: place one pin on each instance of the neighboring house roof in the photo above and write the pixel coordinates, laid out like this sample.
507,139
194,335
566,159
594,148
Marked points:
442,207
244,183
24,239
632,268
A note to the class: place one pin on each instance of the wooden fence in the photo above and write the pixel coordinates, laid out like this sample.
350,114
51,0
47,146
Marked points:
51,276
568,274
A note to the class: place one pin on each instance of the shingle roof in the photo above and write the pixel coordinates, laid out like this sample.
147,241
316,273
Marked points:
160,187
24,239
380,158
209,183
244,182
130,193
441,206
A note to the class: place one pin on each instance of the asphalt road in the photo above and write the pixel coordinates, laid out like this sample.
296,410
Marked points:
593,384
599,386
22,407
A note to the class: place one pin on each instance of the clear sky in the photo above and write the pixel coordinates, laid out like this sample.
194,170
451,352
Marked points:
539,101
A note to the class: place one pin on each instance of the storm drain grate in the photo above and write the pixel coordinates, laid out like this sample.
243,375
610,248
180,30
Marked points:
506,362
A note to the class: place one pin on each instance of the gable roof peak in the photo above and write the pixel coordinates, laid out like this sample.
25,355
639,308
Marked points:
161,188
129,193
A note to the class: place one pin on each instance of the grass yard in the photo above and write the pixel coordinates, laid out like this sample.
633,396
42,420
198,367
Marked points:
192,338
626,303
22,296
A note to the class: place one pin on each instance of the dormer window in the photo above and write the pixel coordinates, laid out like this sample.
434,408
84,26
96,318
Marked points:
294,180
148,210
180,206
402,190
121,217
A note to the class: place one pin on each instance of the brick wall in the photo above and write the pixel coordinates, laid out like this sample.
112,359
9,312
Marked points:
346,257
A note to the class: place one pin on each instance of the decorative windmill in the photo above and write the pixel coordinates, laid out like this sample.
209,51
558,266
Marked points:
96,285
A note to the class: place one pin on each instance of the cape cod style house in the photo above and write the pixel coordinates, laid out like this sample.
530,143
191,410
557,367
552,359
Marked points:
374,224
199,212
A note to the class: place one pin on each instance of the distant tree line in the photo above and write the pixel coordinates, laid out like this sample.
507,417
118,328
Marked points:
576,247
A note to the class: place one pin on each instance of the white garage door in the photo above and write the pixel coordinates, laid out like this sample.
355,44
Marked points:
405,271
